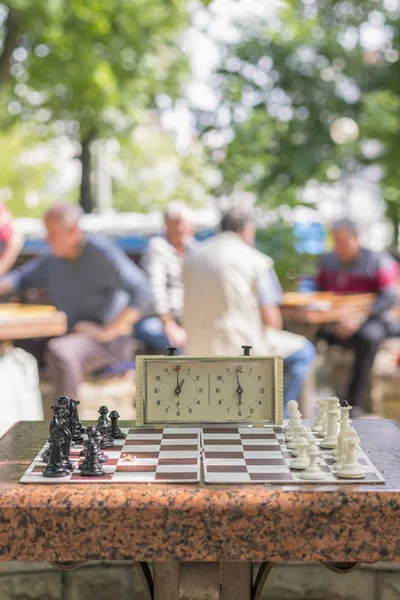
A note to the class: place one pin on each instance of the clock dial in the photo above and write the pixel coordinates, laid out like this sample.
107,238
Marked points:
213,389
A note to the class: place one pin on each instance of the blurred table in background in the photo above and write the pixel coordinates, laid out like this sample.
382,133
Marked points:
20,321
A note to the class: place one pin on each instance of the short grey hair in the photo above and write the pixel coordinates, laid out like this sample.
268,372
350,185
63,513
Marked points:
68,214
178,209
345,224
236,219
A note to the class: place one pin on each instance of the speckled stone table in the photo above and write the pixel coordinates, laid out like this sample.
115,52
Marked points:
200,537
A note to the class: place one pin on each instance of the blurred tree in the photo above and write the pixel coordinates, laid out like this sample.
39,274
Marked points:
151,172
284,83
88,69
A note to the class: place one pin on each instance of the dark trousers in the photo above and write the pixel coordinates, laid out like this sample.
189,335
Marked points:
365,343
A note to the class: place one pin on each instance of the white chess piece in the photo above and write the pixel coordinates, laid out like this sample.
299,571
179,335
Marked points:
297,425
300,432
324,426
293,411
330,439
302,461
345,425
313,471
320,416
351,468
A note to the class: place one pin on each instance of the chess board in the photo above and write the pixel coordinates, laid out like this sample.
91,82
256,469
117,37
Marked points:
146,456
175,455
243,455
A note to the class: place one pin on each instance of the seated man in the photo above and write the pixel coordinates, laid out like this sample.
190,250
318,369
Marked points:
351,269
11,241
232,297
163,263
101,291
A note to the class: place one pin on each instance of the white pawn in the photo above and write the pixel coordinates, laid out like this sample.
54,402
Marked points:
320,416
302,461
345,425
294,416
313,471
351,468
324,426
330,439
300,432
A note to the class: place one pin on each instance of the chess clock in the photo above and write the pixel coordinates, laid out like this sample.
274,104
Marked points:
196,390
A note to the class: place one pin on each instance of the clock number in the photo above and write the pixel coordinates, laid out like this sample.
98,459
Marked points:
219,402
217,390
158,378
239,368
219,377
197,377
158,402
228,370
178,414
261,390
166,370
188,371
259,402
190,410
156,390
259,378
200,390
198,402
239,414
166,410
228,410
251,411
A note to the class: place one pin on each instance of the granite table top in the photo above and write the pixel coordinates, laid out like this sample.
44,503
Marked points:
64,522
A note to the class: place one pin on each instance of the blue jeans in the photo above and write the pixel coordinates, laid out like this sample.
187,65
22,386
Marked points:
295,368
151,332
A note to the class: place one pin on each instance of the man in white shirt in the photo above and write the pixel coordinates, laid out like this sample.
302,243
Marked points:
232,297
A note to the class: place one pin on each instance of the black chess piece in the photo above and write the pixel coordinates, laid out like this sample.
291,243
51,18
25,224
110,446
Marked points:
344,403
55,466
104,427
97,437
90,431
91,466
59,428
115,431
81,426
75,424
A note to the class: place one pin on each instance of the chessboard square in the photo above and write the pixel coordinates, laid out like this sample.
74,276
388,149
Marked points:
143,436
139,455
256,435
212,430
266,461
219,442
179,447
221,436
260,447
223,448
180,430
136,477
373,476
226,469
178,455
77,478
112,454
138,461
135,441
145,430
265,443
135,449
266,476
267,468
259,454
178,467
171,477
182,444
225,461
227,478
182,461
133,468
222,455
180,436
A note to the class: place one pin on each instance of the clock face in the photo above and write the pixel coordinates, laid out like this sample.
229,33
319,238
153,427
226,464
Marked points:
198,390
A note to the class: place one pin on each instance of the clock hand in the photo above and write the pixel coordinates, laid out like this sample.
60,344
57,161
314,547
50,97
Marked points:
239,390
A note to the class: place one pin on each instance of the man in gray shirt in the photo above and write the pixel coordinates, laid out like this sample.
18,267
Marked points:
102,292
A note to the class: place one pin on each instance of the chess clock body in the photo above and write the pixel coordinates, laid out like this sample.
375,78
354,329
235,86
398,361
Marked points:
205,390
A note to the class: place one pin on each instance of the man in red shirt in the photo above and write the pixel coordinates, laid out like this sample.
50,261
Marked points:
352,269
11,241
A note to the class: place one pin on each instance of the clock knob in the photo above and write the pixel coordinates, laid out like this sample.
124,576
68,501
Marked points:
246,350
171,351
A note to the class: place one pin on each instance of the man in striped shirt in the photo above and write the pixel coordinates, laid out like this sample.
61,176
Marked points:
352,269
163,262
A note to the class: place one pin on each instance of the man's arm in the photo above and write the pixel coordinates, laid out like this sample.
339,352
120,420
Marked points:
269,298
32,274
10,252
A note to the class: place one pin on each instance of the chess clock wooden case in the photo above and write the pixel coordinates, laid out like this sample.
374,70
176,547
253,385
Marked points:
205,390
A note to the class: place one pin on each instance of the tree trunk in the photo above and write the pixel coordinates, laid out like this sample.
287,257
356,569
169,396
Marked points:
85,197
9,45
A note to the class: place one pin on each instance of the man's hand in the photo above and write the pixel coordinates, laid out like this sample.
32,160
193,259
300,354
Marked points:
347,326
176,334
97,332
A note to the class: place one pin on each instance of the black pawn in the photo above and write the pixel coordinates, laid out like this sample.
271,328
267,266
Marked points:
115,431
90,431
55,467
104,427
97,437
91,466
75,423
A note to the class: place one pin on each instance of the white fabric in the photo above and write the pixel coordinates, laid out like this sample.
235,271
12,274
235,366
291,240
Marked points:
20,398
221,307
